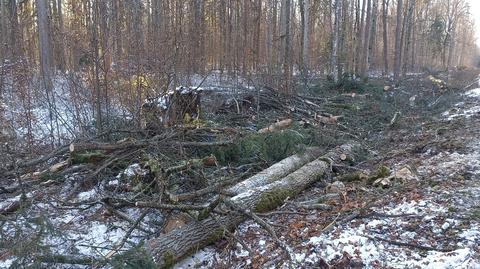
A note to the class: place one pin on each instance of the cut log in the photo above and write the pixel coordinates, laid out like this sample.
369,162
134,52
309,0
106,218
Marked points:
277,171
58,166
88,157
82,147
167,249
281,125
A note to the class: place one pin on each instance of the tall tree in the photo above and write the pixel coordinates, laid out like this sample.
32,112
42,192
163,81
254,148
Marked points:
385,35
287,53
336,40
408,35
373,36
398,41
305,17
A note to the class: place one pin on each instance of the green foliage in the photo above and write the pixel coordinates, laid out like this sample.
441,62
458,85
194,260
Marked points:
347,84
270,147
87,157
381,172
48,176
436,34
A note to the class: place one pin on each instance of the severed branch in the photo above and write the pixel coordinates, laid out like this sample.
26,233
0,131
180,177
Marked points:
410,245
125,217
70,259
127,235
204,144
181,207
213,188
262,224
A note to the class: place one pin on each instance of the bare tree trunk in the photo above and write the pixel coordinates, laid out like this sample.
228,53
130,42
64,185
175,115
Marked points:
398,42
45,53
59,40
270,35
366,39
305,15
287,57
3,28
360,41
385,36
256,35
96,71
408,35
336,40
372,36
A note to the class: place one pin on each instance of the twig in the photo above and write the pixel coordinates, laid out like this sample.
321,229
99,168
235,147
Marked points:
181,207
404,244
204,144
125,217
283,213
210,189
236,238
262,224
64,259
127,235
330,225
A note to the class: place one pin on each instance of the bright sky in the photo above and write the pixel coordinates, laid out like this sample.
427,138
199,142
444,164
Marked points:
475,10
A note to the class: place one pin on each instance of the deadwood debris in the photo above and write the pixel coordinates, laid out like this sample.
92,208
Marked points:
168,248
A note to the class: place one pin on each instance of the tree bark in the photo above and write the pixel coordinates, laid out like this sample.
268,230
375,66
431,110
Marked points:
287,57
372,36
408,35
336,40
277,171
305,14
366,39
385,36
398,33
167,249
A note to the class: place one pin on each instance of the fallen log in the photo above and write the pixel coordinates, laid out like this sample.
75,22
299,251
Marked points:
76,148
276,171
277,126
169,248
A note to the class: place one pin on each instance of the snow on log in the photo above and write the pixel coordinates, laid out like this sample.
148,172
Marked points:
169,248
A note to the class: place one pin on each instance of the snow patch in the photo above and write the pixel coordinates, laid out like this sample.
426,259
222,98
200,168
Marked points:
87,195
201,259
131,171
473,93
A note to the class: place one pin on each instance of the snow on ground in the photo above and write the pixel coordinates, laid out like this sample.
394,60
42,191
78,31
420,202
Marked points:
434,227
445,217
462,109
362,239
31,112
85,229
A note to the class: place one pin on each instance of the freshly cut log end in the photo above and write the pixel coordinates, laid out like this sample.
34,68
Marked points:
281,125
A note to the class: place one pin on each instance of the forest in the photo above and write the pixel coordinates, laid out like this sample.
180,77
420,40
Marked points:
239,134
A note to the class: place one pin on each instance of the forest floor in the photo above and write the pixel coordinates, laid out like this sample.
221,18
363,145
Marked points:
423,213
426,217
